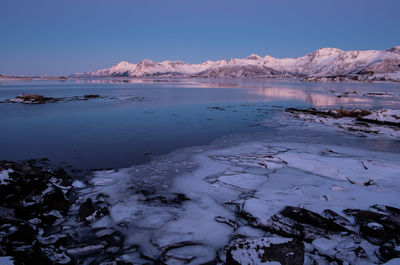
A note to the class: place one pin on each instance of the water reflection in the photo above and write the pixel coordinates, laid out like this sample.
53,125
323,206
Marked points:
193,83
115,80
315,99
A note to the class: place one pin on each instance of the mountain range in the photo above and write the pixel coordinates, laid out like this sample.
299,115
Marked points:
325,63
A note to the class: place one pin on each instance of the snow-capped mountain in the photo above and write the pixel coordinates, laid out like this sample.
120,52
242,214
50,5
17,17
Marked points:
325,62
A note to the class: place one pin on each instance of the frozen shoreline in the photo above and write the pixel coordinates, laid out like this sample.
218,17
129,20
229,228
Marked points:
234,191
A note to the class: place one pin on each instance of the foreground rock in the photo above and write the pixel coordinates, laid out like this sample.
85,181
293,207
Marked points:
310,238
32,200
39,224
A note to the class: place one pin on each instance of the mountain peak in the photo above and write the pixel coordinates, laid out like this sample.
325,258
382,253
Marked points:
123,63
395,49
327,51
146,62
253,56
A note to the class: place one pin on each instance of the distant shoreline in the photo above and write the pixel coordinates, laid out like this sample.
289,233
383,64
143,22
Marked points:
16,77
311,79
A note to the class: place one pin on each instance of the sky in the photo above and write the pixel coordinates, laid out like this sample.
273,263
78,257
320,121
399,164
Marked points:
60,37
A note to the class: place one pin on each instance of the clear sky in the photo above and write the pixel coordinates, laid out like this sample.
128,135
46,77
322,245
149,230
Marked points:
59,37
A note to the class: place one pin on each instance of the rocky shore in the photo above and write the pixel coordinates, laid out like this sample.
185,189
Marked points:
384,122
44,222
34,201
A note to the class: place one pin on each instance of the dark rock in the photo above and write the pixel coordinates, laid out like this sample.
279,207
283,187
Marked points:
388,252
32,256
86,209
91,96
337,218
24,233
304,216
101,208
386,209
36,202
375,227
304,224
56,200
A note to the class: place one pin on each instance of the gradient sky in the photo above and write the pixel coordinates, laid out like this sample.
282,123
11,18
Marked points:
60,37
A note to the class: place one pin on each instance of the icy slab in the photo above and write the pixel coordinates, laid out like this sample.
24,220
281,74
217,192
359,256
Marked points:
325,246
78,184
193,255
393,262
244,181
6,260
84,250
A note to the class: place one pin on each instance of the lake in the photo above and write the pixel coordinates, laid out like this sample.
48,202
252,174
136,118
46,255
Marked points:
135,120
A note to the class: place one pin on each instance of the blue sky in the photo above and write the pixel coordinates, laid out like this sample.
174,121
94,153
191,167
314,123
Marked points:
59,37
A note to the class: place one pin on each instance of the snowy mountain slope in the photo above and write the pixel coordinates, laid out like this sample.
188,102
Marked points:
325,62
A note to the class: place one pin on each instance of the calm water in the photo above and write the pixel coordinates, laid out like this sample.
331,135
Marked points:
135,118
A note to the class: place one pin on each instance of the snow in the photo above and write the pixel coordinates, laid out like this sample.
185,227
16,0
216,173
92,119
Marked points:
325,246
375,226
190,255
393,262
321,63
4,176
78,184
